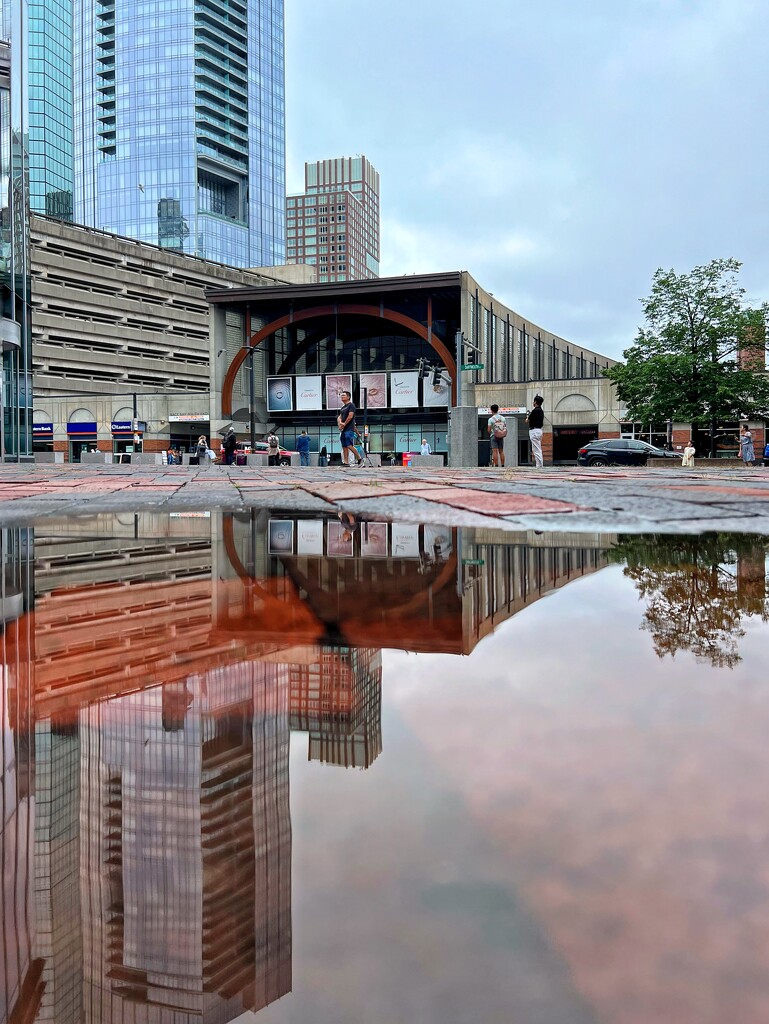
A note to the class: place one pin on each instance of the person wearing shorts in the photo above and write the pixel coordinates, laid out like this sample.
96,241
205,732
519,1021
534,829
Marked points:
346,423
496,424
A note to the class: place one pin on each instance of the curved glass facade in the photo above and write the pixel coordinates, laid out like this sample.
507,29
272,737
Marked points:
179,125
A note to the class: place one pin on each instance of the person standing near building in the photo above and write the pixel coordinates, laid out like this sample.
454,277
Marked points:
746,446
229,445
535,421
497,427
346,423
273,449
323,456
303,447
425,449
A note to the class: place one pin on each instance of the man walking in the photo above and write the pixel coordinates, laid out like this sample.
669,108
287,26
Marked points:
497,427
535,421
346,423
303,447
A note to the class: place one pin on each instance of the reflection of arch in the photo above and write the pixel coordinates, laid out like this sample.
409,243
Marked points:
40,416
575,403
347,309
123,415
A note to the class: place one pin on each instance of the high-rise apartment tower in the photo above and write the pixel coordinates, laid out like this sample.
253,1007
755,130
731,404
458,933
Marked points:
179,134
335,223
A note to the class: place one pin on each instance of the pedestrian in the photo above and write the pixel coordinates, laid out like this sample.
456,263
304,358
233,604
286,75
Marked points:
688,458
171,456
230,444
346,423
497,428
535,421
746,446
202,450
273,449
137,442
425,449
323,456
303,447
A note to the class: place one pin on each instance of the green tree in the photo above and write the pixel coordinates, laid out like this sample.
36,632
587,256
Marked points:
698,590
684,364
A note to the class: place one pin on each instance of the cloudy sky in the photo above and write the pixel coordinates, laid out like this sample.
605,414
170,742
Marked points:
558,151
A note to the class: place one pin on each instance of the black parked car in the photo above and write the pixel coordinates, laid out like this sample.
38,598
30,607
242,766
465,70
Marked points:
621,451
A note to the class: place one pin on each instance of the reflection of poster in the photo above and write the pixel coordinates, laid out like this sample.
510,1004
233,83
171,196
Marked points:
281,537
339,540
404,390
336,383
309,537
279,394
435,396
405,540
438,542
308,393
376,390
373,540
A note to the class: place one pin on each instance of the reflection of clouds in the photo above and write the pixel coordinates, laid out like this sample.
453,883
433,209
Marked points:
588,763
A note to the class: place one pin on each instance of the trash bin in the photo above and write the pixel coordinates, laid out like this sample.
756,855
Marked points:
407,457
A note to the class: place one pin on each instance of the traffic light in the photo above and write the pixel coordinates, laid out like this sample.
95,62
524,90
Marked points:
424,368
437,375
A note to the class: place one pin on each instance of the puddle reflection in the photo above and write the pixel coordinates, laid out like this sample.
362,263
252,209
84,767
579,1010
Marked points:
160,675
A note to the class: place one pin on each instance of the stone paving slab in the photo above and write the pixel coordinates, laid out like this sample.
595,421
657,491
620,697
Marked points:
633,500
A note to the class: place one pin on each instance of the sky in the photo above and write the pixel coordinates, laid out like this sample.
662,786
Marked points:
558,151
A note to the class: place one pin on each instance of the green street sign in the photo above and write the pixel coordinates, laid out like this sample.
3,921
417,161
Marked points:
473,561
472,366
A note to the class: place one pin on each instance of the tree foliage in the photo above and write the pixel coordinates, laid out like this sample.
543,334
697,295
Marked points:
698,590
684,364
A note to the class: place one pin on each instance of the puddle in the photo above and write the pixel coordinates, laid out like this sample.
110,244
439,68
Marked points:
288,769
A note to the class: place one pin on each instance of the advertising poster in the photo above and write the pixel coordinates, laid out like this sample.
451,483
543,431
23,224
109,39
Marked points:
438,542
308,392
336,383
376,390
373,540
433,397
309,537
404,390
405,540
279,397
339,541
281,537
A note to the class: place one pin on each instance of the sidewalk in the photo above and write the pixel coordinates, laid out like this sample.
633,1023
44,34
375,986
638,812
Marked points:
670,500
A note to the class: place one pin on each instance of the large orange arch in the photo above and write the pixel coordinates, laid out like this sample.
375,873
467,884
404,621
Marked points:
377,312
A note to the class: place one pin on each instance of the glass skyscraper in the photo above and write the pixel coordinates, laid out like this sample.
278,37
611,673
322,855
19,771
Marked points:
15,333
50,107
179,129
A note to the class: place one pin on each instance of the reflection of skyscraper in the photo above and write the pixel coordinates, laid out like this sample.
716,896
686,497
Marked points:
58,932
186,849
337,698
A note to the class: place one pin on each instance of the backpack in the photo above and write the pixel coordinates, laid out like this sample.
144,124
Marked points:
500,430
272,442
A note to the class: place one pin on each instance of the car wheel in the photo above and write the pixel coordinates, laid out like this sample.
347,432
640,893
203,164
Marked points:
285,462
599,461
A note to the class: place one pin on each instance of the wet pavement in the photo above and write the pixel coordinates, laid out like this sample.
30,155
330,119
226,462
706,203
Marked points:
279,766
671,500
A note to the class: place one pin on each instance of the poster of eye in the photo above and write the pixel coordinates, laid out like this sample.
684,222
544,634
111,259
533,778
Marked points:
279,397
404,390
438,394
336,383
375,385
281,536
308,392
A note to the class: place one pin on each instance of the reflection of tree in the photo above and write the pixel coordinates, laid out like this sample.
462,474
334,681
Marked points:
698,590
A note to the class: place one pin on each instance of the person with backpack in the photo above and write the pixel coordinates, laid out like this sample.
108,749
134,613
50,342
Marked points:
535,421
497,427
273,449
